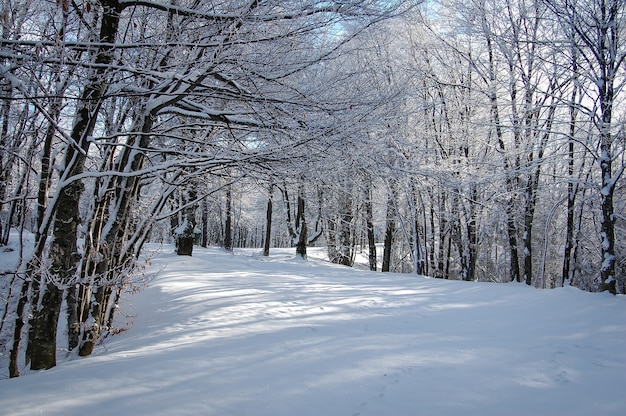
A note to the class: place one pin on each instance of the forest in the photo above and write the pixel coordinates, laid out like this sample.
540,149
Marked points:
478,140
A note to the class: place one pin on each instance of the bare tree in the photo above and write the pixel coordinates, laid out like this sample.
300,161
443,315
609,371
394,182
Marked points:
596,29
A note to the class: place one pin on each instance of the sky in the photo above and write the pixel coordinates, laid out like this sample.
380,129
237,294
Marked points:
241,334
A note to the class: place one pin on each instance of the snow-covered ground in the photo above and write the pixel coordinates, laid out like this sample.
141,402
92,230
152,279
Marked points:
221,334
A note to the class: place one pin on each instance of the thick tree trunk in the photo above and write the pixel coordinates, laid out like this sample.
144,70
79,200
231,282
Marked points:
73,321
41,349
43,330
607,228
607,219
302,242
185,243
64,259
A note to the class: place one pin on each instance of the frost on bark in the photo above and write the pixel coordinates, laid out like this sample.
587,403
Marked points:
340,234
184,232
41,350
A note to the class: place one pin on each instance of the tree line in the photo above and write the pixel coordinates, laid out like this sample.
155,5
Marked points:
479,140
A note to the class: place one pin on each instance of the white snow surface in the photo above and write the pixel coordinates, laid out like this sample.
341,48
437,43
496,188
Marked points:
242,334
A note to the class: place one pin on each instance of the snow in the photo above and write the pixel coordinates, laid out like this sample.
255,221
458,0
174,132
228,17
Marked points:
180,230
223,334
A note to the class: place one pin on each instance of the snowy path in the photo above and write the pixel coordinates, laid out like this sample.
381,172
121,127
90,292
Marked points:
217,334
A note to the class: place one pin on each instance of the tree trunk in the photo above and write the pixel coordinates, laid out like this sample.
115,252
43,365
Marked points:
204,239
472,235
228,226
268,222
346,242
64,259
301,226
17,330
572,189
331,239
43,330
443,235
369,224
302,242
41,349
607,227
186,231
389,232
73,321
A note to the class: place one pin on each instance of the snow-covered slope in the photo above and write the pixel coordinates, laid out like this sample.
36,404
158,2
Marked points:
222,334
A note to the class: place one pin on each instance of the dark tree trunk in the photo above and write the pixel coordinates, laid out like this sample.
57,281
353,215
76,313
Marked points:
420,260
527,237
472,235
185,242
418,252
387,246
228,226
443,236
512,234
567,274
268,225
302,242
64,258
43,329
73,321
185,237
572,189
301,226
607,227
389,232
204,239
41,350
369,224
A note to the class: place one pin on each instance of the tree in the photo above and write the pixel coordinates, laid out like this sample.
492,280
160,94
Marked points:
231,66
597,36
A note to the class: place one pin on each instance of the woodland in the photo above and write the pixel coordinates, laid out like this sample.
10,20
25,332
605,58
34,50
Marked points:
478,140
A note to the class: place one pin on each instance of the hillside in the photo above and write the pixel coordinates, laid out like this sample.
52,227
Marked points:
221,334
